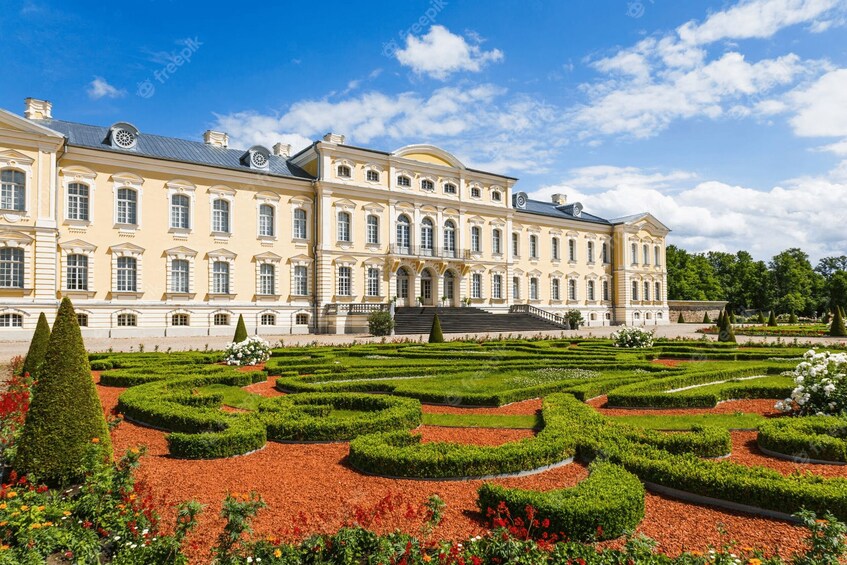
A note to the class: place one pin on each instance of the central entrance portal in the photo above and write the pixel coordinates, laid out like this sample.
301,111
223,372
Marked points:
450,287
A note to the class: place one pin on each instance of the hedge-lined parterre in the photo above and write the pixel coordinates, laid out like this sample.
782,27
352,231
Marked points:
822,438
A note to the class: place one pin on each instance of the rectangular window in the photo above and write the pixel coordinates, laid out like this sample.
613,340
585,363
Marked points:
11,321
476,244
266,221
403,180
657,259
77,272
220,277
556,251
497,286
497,242
516,288
572,250
605,252
12,190
605,290
344,283
127,279
373,230
127,206
82,320
179,319
78,201
533,288
299,224
301,280
516,245
268,320
180,206
220,216
533,247
571,289
590,290
427,185
634,250
267,279
373,281
221,319
127,320
476,285
449,188
555,291
372,176
590,251
179,276
344,226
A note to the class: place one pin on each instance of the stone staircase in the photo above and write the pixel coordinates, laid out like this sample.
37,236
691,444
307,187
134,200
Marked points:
418,320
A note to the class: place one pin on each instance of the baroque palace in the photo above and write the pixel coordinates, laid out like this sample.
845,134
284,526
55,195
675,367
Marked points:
151,235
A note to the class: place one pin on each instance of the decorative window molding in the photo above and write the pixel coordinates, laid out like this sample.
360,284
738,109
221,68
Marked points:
78,208
343,169
123,214
175,282
19,278
266,219
373,173
403,179
178,221
14,161
221,232
77,248
427,183
126,318
121,286
225,286
267,283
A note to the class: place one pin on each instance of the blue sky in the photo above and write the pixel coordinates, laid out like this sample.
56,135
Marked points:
728,120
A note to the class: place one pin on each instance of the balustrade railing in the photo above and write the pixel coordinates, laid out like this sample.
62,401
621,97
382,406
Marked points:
354,308
422,251
557,319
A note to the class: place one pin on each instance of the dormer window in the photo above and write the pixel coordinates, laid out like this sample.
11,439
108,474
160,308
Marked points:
476,192
257,157
123,136
428,185
344,171
372,176
496,196
449,188
404,181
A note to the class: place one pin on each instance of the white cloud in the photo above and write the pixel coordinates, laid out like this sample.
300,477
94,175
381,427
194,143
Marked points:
820,107
99,88
440,53
712,215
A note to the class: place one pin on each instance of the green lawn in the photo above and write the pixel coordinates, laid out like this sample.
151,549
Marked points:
234,397
482,421
659,422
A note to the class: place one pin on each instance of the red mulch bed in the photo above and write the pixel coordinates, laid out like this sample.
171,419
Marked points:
265,388
674,362
745,450
525,407
754,406
474,436
309,487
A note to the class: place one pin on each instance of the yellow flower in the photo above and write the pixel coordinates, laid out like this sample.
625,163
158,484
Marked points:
11,494
34,526
47,524
755,561
2,505
24,508
135,451
41,508
3,523
427,558
4,547
95,440
277,553
66,513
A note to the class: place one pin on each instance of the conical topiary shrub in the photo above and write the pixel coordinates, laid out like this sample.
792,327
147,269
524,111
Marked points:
435,335
681,319
37,347
240,330
706,318
725,331
772,320
837,328
65,416
731,317
762,318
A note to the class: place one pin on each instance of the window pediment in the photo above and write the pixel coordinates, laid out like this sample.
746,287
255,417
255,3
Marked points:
267,257
223,254
180,252
12,158
77,246
126,249
14,239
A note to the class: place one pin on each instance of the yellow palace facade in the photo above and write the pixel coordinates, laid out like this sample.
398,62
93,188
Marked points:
151,235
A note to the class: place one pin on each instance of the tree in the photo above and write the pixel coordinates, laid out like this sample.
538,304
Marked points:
772,320
65,415
435,335
240,330
792,319
761,318
837,328
690,276
797,287
837,289
574,318
828,266
681,319
37,347
725,332
380,322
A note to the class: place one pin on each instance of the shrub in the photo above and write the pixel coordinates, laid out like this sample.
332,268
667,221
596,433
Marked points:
574,318
633,338
65,415
380,323
250,351
812,437
725,331
837,328
761,318
706,318
681,319
37,347
435,335
772,320
792,319
821,385
240,330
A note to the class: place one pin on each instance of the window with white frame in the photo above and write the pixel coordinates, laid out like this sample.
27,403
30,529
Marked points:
645,252
496,241
657,255
657,295
404,181
516,288
267,227
554,243
301,319
449,238
344,284
606,290
476,239
127,206
180,276
127,275
220,319
572,250
427,185
590,250
220,216
78,202
403,232
180,211
555,289
179,319
646,290
12,190
427,237
533,246
11,321
373,277
267,320
82,319
77,272
220,277
267,279
635,290
373,229
476,285
516,244
299,225
344,227
591,290
372,175
449,188
533,288
476,192
634,253
496,196
497,286
127,320
301,280
605,252
344,171
11,267
571,289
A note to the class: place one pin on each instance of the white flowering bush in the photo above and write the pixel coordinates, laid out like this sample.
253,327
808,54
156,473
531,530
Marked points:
251,351
633,338
820,385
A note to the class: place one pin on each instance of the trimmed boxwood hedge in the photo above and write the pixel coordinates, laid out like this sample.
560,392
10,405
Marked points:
813,437
611,498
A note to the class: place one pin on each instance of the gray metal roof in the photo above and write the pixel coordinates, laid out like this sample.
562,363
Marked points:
552,210
170,148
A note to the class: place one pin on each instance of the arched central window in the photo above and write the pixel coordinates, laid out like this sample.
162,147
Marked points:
426,237
266,221
127,206
220,216
404,236
180,208
449,238
344,226
11,267
12,190
78,203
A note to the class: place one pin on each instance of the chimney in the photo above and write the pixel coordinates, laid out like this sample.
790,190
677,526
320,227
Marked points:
216,138
560,199
334,138
36,109
282,150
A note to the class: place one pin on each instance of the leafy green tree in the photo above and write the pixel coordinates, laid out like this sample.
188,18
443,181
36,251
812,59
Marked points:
792,319
37,347
828,266
240,330
837,289
435,335
380,323
797,287
65,415
690,276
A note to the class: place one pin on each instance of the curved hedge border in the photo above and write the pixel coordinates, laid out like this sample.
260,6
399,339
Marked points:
818,438
610,498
